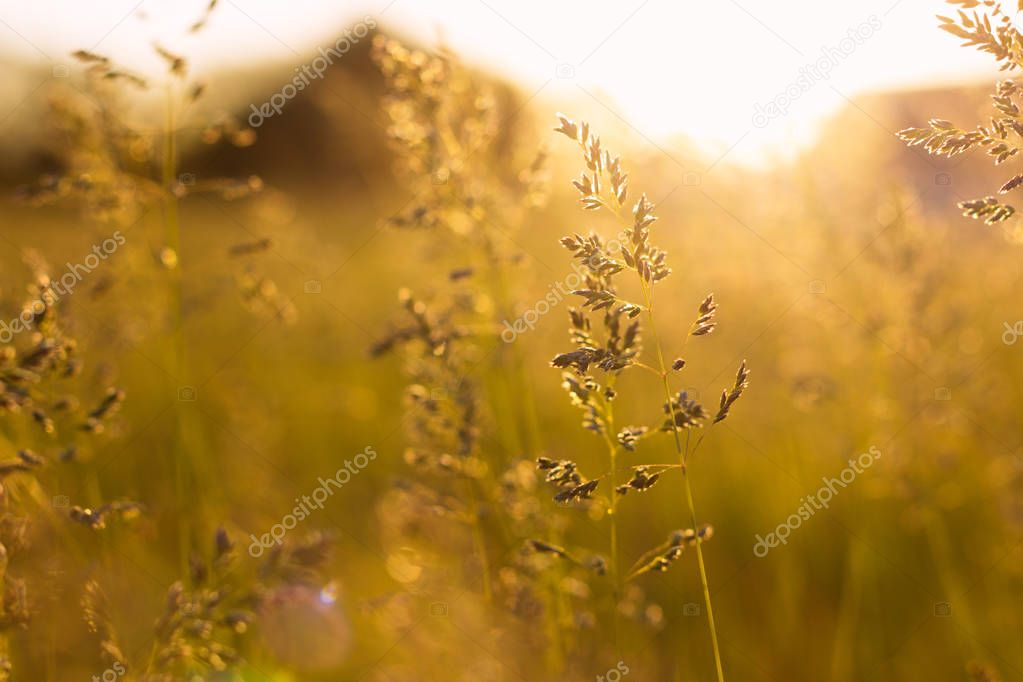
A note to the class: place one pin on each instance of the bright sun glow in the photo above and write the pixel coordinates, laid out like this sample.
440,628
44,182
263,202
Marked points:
747,76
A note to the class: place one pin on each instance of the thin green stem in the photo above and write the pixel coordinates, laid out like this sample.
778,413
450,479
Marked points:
172,230
682,453
613,513
478,541
647,367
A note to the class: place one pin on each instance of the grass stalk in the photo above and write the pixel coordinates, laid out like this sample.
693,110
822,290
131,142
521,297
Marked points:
616,581
172,232
683,458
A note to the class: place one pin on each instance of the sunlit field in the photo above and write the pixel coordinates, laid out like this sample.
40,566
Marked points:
346,345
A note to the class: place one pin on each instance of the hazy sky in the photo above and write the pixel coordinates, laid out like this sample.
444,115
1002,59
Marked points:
663,66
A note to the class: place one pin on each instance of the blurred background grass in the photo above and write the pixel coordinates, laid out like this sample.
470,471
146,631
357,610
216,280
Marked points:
870,314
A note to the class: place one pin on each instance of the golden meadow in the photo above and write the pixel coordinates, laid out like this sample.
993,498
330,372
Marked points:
417,379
